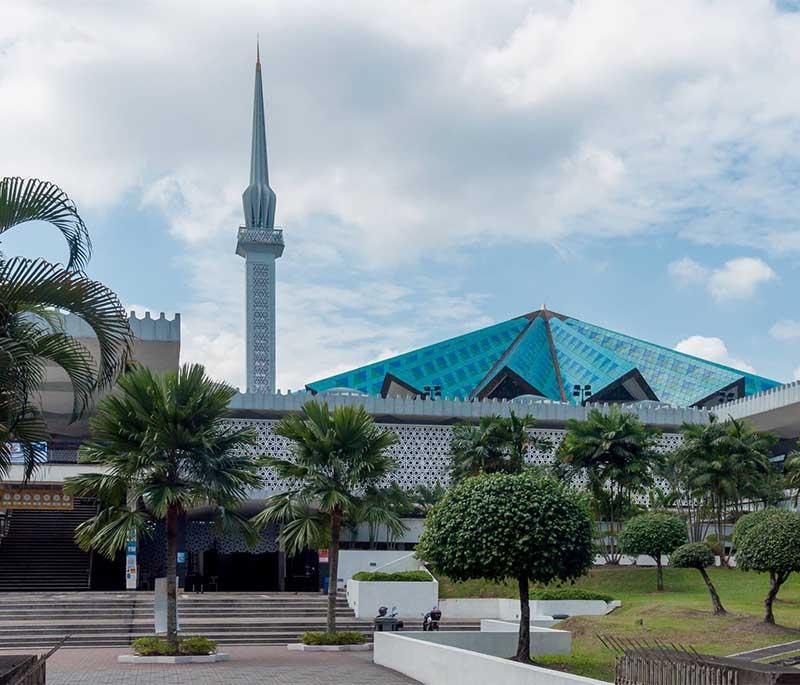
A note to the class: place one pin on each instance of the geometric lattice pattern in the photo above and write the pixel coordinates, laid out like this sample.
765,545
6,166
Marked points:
546,354
260,287
422,452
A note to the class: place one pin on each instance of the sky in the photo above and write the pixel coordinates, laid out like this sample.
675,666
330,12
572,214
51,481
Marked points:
439,166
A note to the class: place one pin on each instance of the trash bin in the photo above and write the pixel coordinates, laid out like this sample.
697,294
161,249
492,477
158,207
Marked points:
386,623
326,580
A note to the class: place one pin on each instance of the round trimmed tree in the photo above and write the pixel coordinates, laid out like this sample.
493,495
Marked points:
653,534
768,541
510,526
698,555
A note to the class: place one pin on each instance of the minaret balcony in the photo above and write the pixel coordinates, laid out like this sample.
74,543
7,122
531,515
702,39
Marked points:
259,239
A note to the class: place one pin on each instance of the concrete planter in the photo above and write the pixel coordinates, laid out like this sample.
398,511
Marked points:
413,600
300,647
182,659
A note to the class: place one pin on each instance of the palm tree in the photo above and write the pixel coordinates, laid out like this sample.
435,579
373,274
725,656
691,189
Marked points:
340,463
616,455
33,295
495,445
791,473
726,463
166,449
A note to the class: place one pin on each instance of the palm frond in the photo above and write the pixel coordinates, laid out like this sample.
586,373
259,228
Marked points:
23,200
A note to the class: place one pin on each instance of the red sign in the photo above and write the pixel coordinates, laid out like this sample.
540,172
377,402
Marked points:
323,556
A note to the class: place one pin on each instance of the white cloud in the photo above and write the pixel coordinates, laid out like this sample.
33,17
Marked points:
713,349
786,329
736,279
420,124
796,375
687,272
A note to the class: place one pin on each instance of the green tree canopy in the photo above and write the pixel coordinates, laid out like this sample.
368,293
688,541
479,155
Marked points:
768,541
339,463
698,555
501,526
653,534
166,449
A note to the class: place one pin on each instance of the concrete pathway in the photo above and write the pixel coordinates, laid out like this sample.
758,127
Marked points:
248,666
766,652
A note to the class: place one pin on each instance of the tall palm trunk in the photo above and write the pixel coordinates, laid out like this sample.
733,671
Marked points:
172,570
659,574
524,642
333,567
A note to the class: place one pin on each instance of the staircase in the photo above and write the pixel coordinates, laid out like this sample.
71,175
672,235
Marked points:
39,553
115,619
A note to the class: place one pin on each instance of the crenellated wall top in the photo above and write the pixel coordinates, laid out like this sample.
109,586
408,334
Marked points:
147,327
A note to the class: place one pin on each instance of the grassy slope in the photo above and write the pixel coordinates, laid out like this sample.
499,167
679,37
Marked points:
680,614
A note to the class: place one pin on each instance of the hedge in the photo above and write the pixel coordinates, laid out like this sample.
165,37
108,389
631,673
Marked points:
567,593
193,645
345,637
399,577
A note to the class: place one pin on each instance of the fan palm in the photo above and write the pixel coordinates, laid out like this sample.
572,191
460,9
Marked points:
495,445
726,463
616,455
791,473
166,449
339,466
33,295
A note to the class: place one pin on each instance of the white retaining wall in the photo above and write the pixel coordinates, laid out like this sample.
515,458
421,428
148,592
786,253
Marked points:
413,600
502,643
437,664
508,609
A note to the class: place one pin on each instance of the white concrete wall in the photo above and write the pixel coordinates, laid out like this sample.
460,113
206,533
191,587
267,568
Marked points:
351,561
572,607
436,664
502,643
413,600
481,607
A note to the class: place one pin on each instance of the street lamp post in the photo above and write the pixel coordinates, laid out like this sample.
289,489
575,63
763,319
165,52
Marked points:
582,392
431,392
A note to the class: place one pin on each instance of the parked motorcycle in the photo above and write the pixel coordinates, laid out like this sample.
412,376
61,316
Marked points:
431,620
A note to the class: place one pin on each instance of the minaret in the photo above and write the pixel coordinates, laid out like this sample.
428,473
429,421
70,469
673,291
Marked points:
260,243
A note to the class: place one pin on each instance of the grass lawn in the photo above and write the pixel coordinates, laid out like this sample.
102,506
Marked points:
681,614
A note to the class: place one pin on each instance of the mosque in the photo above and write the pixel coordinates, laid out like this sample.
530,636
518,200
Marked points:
548,365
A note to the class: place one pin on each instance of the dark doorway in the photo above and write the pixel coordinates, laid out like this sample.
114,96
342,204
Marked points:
107,574
302,572
243,571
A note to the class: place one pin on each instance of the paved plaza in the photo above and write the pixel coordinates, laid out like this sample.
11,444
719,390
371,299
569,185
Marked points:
248,666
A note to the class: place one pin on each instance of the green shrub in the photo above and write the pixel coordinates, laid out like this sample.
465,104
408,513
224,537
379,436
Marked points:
193,645
692,555
152,645
401,576
565,593
197,645
345,637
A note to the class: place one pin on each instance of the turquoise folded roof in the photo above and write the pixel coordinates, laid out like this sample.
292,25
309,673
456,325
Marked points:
546,353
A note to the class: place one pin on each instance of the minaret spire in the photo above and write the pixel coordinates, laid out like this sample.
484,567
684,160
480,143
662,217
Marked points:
259,199
261,244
